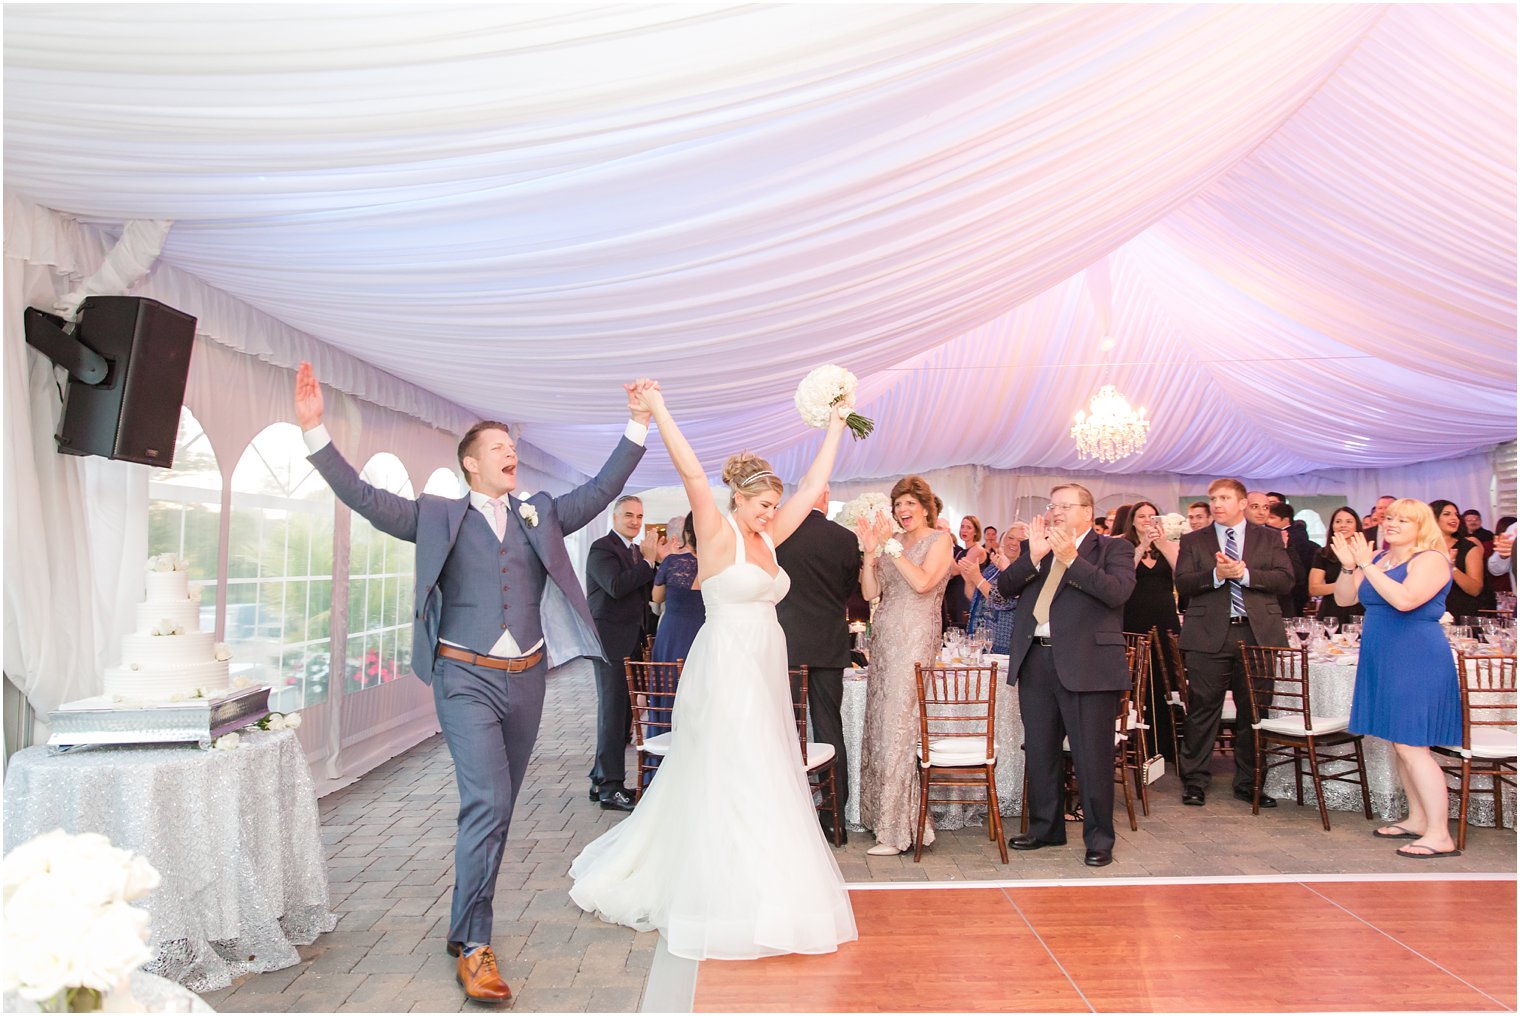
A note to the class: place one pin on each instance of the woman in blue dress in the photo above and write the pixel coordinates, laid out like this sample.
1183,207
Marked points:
1406,681
675,586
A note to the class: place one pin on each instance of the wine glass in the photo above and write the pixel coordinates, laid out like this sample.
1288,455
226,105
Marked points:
1331,623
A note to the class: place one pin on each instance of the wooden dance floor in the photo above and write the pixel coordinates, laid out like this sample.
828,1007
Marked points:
1358,943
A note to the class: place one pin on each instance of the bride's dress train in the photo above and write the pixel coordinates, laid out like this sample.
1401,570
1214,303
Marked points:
724,854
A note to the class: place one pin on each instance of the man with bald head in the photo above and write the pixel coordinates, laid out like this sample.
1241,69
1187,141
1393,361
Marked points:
1258,507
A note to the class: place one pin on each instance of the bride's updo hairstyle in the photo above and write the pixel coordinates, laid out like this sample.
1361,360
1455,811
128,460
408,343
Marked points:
748,474
918,489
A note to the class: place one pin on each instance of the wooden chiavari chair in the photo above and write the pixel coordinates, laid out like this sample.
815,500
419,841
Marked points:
1489,742
652,693
957,713
818,759
1277,680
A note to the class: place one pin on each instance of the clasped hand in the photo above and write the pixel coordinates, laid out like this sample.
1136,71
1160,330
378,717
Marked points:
872,533
1353,551
1228,567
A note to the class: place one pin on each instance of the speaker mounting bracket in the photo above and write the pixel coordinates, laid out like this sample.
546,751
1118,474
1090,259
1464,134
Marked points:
46,333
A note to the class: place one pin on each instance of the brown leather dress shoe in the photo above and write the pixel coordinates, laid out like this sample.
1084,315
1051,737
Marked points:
481,980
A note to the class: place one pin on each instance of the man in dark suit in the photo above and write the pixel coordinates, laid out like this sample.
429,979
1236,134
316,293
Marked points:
619,584
497,605
822,558
1373,531
1232,574
1067,659
1301,552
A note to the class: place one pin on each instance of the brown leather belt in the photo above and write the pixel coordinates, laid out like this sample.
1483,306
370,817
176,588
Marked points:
513,666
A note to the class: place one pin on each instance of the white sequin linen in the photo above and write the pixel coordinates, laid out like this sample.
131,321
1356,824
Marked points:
234,834
1008,731
1330,688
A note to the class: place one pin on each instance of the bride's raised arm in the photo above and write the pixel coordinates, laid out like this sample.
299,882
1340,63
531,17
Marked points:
715,540
791,513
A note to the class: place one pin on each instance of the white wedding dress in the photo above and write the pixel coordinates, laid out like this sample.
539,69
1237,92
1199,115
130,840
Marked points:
724,854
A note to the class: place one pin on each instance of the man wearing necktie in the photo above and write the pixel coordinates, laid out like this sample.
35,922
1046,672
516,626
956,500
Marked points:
1232,574
497,603
619,584
1067,659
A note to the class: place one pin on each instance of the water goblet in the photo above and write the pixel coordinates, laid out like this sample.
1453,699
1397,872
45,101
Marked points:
1331,623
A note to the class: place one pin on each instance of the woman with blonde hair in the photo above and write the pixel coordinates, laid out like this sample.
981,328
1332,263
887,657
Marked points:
1406,683
909,573
724,854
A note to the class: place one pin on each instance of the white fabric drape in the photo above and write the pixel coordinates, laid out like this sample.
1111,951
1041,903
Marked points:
518,208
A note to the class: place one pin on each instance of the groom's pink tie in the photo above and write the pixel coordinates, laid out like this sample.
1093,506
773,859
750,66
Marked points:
498,517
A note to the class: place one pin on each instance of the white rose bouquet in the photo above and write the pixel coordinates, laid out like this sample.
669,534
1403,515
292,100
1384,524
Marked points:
865,507
828,390
1173,526
70,934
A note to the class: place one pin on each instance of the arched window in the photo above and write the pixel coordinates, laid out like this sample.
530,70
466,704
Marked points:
185,510
380,569
279,566
445,483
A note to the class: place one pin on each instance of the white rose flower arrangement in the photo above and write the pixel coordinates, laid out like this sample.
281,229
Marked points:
166,563
828,390
167,627
71,935
529,514
865,507
1173,526
892,548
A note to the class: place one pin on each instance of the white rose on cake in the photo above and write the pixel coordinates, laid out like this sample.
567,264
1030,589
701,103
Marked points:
221,652
166,563
828,390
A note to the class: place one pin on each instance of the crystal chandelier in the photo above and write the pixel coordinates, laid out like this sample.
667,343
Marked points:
1110,429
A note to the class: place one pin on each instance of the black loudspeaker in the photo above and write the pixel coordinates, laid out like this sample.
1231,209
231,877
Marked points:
134,413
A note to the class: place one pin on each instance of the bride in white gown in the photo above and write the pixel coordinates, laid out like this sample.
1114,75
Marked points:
724,854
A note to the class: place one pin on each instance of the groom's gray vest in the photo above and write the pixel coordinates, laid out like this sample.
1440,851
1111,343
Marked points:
491,586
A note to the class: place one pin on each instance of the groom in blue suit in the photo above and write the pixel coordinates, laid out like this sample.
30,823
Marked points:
497,604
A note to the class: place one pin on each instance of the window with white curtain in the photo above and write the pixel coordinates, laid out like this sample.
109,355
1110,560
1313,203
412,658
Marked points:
380,569
185,510
445,483
279,566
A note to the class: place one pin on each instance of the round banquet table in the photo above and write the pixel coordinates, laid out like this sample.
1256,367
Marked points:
1008,733
1331,683
234,834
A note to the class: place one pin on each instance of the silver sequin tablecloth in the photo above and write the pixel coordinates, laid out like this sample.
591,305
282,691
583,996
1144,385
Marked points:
1330,690
234,834
1008,732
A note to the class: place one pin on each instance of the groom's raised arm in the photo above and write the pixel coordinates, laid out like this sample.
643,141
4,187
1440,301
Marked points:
387,512
591,498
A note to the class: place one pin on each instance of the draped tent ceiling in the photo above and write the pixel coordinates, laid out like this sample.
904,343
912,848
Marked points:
1294,225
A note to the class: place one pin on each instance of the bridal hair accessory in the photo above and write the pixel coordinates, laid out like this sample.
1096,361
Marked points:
892,548
750,479
828,390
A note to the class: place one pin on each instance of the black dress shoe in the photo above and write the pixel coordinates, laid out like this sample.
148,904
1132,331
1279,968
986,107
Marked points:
1266,802
594,794
1098,858
1193,796
619,800
455,948
1028,842
827,825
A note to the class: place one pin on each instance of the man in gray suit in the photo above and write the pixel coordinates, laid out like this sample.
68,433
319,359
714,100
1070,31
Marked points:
495,595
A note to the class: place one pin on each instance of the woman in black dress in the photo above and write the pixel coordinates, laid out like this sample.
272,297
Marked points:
1469,592
1326,569
1153,604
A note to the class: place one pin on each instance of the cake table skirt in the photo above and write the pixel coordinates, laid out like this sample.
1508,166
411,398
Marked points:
234,834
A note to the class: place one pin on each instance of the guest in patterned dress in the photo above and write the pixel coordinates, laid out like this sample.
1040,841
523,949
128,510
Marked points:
906,630
675,587
990,609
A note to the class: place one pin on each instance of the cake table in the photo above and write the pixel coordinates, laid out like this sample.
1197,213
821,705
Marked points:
234,834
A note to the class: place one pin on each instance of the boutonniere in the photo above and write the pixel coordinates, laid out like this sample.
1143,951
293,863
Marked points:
529,514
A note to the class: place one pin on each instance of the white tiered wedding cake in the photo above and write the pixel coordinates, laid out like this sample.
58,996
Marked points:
168,657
